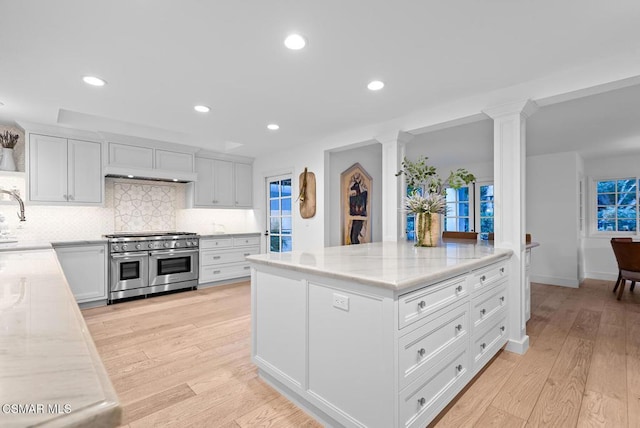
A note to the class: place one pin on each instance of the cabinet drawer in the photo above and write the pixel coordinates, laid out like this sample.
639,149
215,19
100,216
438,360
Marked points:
215,257
420,401
241,241
487,305
487,342
217,273
485,277
420,348
421,303
216,243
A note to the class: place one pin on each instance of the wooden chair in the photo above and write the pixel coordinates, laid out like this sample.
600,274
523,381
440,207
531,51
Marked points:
460,235
619,280
628,258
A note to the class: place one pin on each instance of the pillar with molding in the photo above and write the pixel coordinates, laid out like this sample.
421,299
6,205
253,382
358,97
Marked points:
509,161
393,149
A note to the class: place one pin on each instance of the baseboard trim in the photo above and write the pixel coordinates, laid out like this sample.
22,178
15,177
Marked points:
604,276
555,280
518,346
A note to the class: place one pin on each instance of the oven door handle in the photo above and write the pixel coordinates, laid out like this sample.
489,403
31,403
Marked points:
128,255
172,252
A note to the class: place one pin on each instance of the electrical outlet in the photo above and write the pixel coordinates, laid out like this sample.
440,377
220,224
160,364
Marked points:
340,301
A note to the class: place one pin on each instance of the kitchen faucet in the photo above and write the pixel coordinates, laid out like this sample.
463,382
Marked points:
17,198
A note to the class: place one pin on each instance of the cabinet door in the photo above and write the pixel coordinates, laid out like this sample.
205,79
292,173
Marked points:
203,190
84,171
243,185
47,168
85,268
124,155
174,161
223,183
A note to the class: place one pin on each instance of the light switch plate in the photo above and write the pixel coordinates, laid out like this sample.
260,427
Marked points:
341,301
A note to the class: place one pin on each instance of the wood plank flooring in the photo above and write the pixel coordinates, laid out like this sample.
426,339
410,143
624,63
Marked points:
183,360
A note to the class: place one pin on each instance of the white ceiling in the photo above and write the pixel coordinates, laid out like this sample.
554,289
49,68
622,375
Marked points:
162,57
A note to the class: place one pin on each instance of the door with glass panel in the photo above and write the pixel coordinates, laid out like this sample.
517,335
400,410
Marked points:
279,214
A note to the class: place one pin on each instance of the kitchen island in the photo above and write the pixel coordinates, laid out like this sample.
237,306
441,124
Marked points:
50,371
381,334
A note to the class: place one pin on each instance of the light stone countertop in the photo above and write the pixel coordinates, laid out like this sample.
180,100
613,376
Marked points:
47,356
392,265
228,234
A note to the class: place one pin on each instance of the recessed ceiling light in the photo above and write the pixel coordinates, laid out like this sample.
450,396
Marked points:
273,126
175,179
295,42
130,176
94,81
375,85
202,109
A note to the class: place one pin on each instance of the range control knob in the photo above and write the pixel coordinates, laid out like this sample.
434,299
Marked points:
177,244
188,243
124,247
115,248
138,246
166,245
150,245
194,243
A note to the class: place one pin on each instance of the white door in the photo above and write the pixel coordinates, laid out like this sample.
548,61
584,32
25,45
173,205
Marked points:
243,185
47,168
204,195
279,214
85,171
223,183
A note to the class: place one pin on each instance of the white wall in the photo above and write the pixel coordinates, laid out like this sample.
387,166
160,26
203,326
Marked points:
370,158
599,260
552,217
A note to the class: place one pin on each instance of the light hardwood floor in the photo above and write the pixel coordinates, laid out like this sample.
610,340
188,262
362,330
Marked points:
183,360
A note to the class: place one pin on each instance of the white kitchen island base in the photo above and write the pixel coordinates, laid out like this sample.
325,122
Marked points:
382,335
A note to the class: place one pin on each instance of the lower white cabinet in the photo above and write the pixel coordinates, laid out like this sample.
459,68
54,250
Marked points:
363,356
85,267
223,257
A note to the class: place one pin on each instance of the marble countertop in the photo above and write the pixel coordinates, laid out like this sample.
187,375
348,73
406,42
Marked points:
48,362
392,265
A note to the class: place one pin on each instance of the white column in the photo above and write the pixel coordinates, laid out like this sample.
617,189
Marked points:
509,160
392,155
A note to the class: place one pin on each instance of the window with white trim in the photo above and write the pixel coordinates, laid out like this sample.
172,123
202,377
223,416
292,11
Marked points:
616,203
459,215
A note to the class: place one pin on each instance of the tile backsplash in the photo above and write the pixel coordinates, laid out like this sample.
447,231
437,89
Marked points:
152,205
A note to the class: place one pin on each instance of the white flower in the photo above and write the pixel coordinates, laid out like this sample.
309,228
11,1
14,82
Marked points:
433,203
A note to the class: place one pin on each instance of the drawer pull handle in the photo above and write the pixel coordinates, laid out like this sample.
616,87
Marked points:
247,267
502,298
502,328
247,254
422,304
422,401
422,352
482,346
216,271
216,257
483,311
501,270
459,368
459,288
459,327
483,278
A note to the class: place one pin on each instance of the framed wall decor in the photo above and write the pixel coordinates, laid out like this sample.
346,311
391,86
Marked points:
355,205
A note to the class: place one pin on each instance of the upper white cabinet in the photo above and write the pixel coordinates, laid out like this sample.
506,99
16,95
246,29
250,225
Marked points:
174,161
64,170
125,155
222,184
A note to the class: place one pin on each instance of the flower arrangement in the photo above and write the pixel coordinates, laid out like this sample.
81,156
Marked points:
8,140
427,191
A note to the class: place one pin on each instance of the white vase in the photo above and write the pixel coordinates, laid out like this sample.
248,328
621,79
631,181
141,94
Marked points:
7,163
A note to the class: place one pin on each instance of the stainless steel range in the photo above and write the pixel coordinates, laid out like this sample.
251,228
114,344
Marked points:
148,263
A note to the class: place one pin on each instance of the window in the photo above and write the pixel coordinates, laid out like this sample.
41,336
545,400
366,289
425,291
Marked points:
617,205
486,210
458,215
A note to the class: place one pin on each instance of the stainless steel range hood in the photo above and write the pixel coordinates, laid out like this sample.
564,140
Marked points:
150,174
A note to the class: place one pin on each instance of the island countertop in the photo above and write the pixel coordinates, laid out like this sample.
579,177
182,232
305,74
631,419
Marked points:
392,265
50,371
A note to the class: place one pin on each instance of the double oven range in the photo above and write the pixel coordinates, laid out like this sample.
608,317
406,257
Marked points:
141,264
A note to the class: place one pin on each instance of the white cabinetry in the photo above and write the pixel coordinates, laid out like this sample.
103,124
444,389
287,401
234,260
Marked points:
223,258
149,162
222,184
362,355
85,267
64,170
124,155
